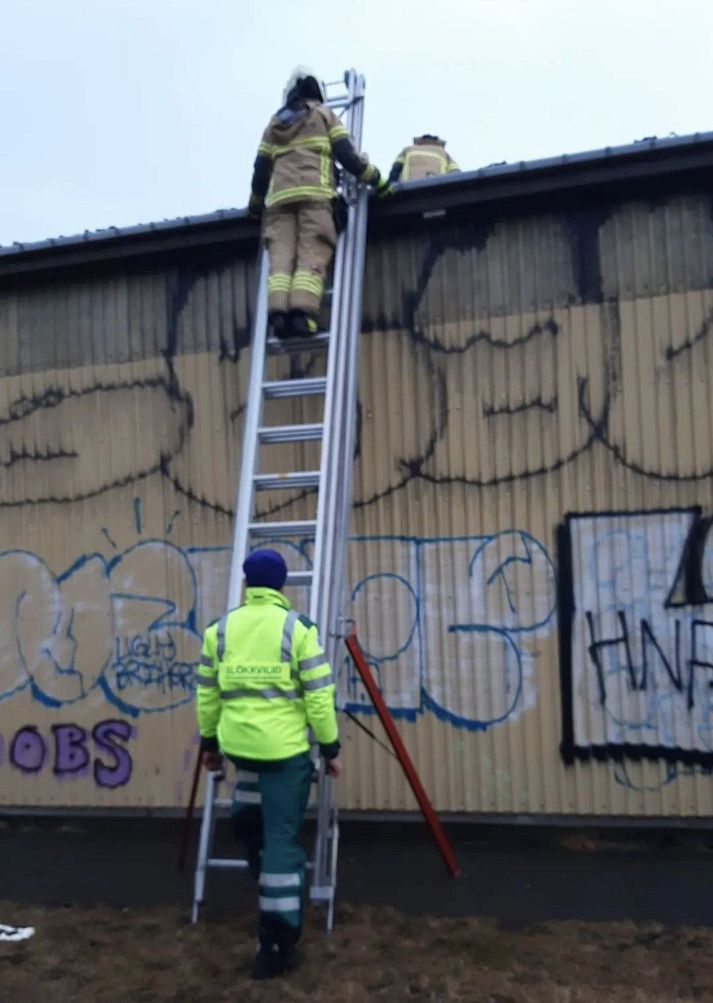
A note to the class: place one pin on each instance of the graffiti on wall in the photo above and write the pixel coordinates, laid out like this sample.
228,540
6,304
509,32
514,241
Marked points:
553,375
636,635
101,623
521,364
70,751
466,652
125,632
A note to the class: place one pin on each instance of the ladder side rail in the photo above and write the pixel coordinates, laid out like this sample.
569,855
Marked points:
319,597
330,444
333,862
344,502
326,600
204,844
354,84
328,432
338,479
319,604
347,380
245,491
332,404
320,878
339,473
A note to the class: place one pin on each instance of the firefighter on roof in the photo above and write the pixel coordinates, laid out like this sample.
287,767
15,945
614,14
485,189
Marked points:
262,680
427,158
294,181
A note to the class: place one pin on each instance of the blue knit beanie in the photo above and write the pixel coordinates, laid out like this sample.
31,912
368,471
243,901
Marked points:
265,568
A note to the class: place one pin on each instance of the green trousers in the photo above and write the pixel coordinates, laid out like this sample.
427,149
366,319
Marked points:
268,813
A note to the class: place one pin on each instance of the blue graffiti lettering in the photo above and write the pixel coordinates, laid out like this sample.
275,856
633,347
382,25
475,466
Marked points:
448,624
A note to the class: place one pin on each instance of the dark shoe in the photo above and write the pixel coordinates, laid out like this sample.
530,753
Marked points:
277,322
291,960
272,962
301,325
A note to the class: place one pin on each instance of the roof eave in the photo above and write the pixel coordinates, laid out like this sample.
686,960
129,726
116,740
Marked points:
432,197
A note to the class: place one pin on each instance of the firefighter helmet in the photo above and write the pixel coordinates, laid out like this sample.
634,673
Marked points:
301,73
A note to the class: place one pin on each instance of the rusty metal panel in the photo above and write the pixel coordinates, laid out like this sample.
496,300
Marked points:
529,566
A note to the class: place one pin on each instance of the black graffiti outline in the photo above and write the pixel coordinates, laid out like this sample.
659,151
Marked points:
509,477
184,279
570,751
686,346
55,396
490,411
17,456
598,433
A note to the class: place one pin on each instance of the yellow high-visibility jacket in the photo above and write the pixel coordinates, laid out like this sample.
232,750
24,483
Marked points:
262,680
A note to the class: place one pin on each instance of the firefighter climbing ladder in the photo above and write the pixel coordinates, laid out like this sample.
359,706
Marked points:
331,482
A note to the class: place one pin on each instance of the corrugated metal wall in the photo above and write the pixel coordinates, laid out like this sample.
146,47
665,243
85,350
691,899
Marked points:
529,566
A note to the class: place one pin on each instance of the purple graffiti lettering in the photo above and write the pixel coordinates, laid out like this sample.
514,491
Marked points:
28,750
105,735
70,750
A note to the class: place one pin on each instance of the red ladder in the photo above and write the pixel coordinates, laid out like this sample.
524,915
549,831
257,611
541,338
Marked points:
402,755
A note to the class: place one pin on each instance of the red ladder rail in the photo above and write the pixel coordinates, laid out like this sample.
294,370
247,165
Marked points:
402,755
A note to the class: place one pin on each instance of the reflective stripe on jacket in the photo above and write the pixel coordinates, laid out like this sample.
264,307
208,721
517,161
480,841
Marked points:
426,158
295,160
263,679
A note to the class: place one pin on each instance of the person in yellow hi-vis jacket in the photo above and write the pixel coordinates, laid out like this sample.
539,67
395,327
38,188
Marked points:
294,181
427,158
263,679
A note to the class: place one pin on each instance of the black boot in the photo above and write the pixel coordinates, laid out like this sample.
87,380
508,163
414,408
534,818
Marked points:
277,323
301,325
274,960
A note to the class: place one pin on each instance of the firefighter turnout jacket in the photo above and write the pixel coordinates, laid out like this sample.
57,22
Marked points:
295,160
262,680
426,158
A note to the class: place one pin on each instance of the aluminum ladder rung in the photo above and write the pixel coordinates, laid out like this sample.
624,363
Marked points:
307,432
273,530
281,482
308,387
327,532
238,864
227,863
325,893
276,347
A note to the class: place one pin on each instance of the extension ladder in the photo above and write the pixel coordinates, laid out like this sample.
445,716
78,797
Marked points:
328,482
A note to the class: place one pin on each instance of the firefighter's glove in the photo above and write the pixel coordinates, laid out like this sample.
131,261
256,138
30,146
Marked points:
383,189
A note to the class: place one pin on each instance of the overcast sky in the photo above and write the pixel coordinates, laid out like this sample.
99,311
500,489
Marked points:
116,112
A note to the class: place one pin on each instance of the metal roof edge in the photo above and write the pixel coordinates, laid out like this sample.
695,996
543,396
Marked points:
594,166
609,153
634,161
114,232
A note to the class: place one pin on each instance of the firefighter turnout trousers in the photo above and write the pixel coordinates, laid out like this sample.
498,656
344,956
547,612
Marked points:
300,239
268,811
